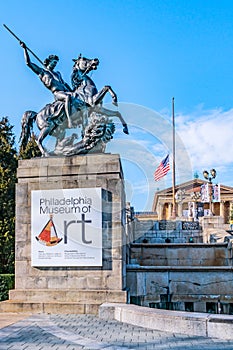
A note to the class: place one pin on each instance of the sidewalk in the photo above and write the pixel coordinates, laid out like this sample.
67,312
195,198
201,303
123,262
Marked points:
6,319
75,332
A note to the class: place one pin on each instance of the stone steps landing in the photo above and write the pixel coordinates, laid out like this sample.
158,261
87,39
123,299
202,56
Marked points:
60,301
69,295
19,306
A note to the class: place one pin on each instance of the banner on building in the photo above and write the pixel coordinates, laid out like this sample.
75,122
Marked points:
200,209
205,197
210,192
191,209
216,193
66,227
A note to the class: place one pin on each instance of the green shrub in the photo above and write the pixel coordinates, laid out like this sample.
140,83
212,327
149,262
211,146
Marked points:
7,282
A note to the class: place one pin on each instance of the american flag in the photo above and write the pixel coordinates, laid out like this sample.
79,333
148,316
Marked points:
162,169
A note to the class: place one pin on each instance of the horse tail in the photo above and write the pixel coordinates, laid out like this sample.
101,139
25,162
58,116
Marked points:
27,127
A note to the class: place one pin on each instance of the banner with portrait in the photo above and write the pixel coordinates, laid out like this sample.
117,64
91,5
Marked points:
216,193
205,197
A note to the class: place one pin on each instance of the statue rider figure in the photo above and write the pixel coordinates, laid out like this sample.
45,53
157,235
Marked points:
52,80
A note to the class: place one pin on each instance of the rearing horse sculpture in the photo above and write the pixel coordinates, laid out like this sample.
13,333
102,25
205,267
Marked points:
86,90
85,100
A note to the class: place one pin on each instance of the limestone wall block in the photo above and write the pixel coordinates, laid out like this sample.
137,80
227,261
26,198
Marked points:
96,282
38,282
115,186
57,282
20,283
117,252
21,268
22,250
142,287
31,172
21,193
201,282
47,271
156,284
30,282
23,233
83,183
74,161
23,214
91,309
115,282
77,282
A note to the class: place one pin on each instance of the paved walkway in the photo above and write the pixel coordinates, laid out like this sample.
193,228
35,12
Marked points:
75,332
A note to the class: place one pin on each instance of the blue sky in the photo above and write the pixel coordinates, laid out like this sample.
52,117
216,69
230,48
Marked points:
149,52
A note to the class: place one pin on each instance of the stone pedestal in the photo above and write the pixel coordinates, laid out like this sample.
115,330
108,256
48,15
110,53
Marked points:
70,289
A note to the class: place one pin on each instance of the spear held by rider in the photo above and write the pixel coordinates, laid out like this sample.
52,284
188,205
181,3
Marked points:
52,80
15,36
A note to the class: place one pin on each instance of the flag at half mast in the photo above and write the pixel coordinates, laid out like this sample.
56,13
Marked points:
162,169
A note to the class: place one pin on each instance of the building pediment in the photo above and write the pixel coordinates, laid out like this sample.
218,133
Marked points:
192,186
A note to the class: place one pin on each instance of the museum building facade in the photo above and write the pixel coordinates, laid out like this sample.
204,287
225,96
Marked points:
191,202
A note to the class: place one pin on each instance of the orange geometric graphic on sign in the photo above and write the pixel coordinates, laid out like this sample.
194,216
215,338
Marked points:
48,235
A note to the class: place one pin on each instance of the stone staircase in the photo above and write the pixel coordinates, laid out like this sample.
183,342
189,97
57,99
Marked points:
58,301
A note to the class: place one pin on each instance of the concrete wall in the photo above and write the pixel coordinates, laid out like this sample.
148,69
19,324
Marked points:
198,285
180,254
181,276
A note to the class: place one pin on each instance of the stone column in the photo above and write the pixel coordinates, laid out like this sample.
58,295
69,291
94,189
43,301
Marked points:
222,209
169,210
180,206
160,213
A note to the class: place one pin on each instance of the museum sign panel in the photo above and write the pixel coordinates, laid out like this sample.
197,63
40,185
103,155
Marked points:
66,227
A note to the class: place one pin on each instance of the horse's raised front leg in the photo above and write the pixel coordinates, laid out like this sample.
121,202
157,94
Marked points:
113,94
98,98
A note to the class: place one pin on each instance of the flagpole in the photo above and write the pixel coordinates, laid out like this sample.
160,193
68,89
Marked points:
173,162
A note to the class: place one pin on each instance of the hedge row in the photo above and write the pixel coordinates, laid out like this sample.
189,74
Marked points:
7,282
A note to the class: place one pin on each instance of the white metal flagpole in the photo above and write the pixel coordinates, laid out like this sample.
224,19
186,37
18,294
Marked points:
173,162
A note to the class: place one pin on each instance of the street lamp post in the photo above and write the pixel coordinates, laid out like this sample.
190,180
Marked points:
210,176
